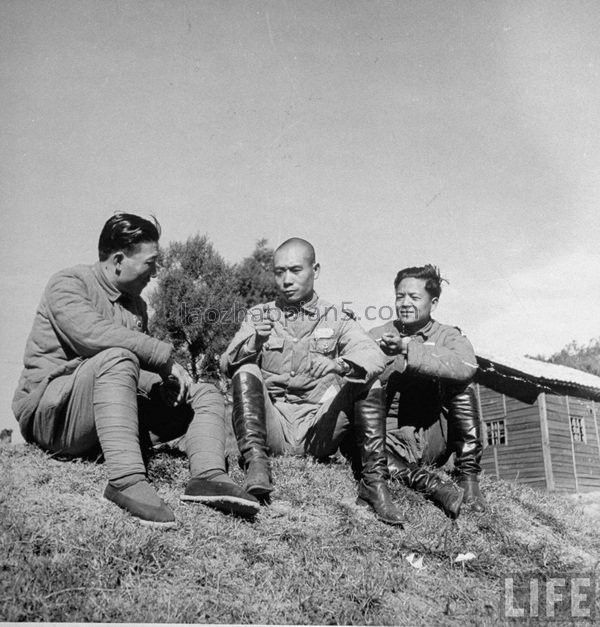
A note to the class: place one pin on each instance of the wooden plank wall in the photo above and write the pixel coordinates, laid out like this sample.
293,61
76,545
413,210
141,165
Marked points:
587,459
521,458
559,430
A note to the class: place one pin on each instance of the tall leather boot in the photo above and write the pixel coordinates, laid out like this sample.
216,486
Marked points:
369,429
465,431
446,495
249,426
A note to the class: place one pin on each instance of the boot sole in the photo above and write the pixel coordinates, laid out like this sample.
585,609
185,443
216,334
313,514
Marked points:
230,505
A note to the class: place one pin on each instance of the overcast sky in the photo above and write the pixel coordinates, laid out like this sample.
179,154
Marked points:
389,133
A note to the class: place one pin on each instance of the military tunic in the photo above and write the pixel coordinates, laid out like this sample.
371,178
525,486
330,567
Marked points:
440,361
316,328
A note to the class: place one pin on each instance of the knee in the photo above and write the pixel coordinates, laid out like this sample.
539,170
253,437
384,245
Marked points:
120,359
206,394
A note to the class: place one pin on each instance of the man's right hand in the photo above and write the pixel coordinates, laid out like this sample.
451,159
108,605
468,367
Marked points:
176,376
263,326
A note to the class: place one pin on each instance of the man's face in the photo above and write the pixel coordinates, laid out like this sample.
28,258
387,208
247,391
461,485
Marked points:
414,303
135,270
295,274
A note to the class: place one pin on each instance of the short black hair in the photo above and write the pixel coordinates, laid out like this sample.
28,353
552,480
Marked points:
124,231
430,274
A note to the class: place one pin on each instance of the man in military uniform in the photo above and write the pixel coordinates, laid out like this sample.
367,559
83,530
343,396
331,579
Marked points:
303,373
95,380
431,402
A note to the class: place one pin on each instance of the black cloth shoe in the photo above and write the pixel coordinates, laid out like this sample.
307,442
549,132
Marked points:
142,501
224,496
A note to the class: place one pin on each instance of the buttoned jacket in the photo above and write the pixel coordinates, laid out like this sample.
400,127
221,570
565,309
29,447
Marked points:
440,362
318,328
80,314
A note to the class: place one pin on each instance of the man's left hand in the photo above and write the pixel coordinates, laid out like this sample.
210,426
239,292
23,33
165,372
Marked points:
321,365
394,344
176,385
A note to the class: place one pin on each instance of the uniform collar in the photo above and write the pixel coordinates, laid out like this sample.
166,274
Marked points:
309,307
111,291
424,331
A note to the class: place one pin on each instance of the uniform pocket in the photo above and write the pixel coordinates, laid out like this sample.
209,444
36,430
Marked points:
272,355
323,346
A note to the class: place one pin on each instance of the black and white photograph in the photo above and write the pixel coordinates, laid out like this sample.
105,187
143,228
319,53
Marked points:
301,312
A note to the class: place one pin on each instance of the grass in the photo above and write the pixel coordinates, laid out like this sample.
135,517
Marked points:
312,557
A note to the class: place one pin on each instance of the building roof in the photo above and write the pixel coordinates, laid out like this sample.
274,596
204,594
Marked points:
533,376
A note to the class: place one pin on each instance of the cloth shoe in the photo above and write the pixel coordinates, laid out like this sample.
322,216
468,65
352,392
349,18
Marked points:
224,496
142,501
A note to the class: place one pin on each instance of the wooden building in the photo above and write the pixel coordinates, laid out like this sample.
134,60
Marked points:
540,423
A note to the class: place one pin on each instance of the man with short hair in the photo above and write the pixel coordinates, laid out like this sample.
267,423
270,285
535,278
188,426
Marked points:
431,401
94,378
302,381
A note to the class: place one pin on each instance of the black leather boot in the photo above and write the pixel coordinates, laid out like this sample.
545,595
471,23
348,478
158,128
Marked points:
464,430
369,429
249,426
445,495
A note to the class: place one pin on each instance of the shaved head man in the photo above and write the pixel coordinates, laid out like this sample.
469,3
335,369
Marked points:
295,270
302,383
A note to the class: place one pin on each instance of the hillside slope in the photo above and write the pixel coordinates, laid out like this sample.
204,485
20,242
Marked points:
312,557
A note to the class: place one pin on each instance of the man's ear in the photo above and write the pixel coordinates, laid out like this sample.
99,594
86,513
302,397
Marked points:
117,260
434,302
317,269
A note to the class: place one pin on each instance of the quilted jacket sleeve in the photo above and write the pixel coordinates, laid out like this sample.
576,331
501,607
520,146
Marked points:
450,357
361,351
85,331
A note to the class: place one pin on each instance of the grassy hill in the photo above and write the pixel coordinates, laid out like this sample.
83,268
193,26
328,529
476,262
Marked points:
312,557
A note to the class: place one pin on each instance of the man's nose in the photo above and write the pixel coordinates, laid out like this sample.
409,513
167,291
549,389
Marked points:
287,278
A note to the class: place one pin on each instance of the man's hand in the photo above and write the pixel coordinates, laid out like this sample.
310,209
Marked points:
394,344
176,385
321,365
263,326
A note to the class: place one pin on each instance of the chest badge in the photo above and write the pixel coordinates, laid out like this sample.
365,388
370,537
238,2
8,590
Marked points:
324,333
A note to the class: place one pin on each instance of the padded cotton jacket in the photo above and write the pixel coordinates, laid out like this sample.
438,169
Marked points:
80,314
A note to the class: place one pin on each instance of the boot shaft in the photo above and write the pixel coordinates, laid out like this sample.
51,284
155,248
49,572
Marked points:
249,416
465,432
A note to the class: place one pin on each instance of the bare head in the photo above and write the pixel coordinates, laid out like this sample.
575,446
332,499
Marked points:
296,269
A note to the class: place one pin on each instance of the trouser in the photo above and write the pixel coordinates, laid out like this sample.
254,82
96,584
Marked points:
308,428
115,406
426,445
